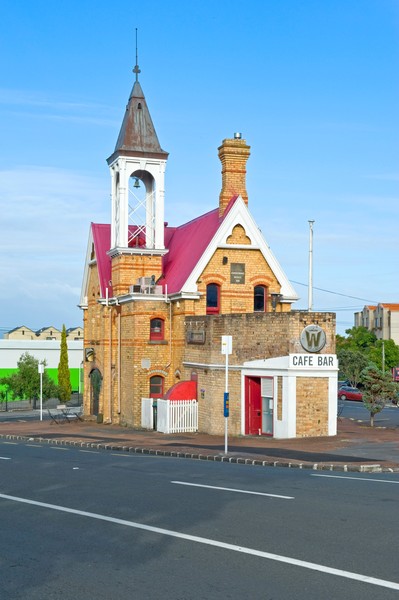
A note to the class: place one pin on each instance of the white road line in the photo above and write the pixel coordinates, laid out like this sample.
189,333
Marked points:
5,458
225,489
58,448
200,540
124,455
355,478
11,443
90,451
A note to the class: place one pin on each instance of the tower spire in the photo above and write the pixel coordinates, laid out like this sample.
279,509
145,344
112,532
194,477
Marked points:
136,69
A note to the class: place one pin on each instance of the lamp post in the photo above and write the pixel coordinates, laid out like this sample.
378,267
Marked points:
41,371
227,344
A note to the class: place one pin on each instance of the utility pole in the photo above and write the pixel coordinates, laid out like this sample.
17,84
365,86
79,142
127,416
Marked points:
383,356
310,287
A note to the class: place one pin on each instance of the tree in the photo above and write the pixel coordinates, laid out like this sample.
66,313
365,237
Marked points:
390,351
64,376
378,389
351,364
25,383
359,339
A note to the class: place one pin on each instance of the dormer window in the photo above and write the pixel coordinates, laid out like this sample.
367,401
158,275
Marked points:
156,329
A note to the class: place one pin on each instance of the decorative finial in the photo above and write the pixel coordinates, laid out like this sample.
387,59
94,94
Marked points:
136,69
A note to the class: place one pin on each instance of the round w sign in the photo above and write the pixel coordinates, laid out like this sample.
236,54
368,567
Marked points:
313,338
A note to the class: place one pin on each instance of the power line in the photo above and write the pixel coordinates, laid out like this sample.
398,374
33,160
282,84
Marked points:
336,293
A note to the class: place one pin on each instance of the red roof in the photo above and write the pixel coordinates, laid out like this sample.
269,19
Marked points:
186,245
102,243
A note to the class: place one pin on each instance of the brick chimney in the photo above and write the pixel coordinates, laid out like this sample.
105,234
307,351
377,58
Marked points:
233,154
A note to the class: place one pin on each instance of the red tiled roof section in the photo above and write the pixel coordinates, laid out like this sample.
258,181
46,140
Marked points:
102,243
186,244
390,306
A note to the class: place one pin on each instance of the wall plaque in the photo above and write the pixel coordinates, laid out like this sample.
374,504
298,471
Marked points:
237,273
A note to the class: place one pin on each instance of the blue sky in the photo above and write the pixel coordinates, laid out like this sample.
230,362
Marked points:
312,85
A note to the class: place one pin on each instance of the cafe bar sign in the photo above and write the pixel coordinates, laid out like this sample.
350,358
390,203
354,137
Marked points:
313,361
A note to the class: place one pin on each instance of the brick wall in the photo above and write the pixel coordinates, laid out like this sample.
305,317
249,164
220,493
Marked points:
312,406
238,297
255,336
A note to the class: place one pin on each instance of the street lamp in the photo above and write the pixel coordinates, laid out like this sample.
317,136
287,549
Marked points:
275,298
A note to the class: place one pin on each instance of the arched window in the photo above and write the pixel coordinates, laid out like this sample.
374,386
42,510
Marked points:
157,329
260,295
156,386
212,299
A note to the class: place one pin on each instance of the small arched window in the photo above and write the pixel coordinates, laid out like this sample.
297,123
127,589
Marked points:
157,329
212,299
260,295
156,386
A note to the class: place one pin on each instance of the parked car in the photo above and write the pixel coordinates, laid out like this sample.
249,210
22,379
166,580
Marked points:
346,392
342,382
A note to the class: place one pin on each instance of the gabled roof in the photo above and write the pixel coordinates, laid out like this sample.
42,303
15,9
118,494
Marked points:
237,213
137,135
20,327
186,244
190,247
389,306
39,331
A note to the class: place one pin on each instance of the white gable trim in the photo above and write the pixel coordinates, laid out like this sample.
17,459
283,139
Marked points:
240,215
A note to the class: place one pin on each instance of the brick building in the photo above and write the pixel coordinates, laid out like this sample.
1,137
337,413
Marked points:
157,300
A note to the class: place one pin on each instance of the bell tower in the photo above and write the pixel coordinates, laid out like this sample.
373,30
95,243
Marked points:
137,168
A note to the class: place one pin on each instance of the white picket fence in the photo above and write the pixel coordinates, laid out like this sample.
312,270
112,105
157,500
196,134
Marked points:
173,416
147,413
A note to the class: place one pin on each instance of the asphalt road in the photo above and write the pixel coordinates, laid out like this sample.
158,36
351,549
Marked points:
89,524
388,417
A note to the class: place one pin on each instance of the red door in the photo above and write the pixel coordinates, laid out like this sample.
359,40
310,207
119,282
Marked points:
253,406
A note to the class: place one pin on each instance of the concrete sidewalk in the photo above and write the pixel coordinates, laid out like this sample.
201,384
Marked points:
357,446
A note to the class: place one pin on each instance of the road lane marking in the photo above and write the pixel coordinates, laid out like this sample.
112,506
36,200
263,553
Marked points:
225,489
355,478
58,448
5,458
124,455
209,542
11,443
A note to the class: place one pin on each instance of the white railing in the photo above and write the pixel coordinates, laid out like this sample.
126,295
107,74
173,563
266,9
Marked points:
177,416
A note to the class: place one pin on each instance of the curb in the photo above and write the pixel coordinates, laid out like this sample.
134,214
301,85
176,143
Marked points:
350,468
